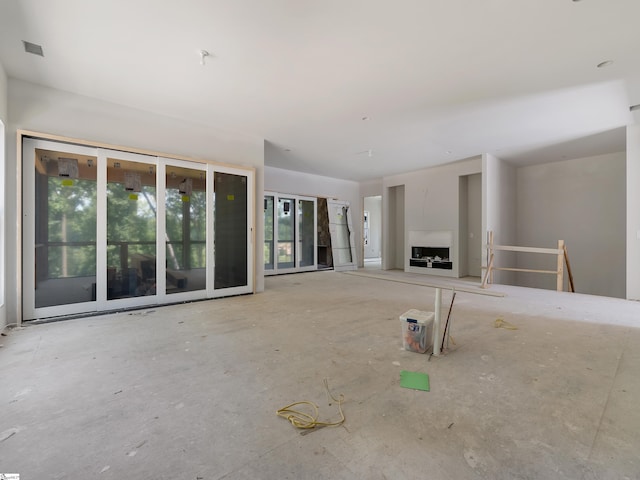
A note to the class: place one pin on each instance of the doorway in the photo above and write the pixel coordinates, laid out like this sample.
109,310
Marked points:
470,225
394,257
372,232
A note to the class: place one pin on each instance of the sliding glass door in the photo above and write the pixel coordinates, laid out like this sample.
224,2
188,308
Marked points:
269,252
307,233
185,248
106,230
61,259
231,231
291,231
286,233
131,227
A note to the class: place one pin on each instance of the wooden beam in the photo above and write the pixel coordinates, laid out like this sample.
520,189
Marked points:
509,269
486,274
491,251
511,248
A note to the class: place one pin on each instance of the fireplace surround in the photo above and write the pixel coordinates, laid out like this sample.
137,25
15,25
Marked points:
431,257
431,250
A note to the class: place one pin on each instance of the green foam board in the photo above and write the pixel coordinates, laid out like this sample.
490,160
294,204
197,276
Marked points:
414,380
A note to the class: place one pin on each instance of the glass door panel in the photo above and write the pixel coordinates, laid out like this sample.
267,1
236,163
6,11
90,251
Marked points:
291,226
65,228
230,230
286,233
185,229
268,233
307,232
131,229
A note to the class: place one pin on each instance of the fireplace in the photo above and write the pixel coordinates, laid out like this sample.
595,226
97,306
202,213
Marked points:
431,250
430,257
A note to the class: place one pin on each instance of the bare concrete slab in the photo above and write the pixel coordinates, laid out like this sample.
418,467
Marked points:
190,391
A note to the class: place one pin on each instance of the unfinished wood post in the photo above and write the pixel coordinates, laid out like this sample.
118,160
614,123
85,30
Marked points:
491,251
560,274
569,273
488,272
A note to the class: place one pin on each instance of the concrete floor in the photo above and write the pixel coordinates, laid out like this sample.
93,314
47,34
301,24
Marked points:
190,391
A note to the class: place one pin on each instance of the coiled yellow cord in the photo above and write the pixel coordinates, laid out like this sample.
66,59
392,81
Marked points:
305,420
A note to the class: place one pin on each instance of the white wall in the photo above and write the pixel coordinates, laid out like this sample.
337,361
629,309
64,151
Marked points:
499,212
3,95
474,232
3,199
470,234
583,202
372,188
432,203
298,183
32,107
373,205
633,212
393,227
400,234
463,225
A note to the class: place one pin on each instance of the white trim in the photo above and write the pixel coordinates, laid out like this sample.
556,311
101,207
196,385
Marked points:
101,231
3,223
211,259
161,230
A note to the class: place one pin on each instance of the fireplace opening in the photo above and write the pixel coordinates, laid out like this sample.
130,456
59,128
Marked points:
431,257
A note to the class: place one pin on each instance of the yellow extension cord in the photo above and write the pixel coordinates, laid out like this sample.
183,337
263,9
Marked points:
501,323
305,420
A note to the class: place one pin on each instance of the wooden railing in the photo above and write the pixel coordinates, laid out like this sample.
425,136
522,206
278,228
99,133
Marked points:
560,252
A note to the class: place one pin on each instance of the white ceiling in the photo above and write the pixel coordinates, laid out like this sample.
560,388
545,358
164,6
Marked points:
439,80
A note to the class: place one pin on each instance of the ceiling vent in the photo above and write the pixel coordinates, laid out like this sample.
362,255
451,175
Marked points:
32,48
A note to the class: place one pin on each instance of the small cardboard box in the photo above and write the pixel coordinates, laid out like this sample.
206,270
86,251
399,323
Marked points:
417,330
